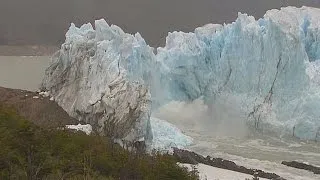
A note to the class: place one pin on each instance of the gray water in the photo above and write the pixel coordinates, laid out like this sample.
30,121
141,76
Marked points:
22,72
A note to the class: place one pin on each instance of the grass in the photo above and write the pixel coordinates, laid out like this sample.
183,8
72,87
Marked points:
30,152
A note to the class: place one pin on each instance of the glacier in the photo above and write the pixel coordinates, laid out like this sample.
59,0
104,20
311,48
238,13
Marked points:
270,64
99,77
115,81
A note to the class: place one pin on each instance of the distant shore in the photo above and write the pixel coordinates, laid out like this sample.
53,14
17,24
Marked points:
28,50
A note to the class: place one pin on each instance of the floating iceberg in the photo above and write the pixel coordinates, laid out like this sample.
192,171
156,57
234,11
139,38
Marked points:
114,80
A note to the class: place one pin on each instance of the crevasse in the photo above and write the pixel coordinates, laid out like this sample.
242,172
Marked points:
271,65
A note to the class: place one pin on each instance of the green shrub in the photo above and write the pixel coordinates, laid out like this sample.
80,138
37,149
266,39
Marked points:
30,152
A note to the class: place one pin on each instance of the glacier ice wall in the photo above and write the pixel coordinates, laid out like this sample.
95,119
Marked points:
270,63
101,77
271,66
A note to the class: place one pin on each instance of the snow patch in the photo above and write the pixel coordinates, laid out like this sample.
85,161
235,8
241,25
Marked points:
44,94
84,128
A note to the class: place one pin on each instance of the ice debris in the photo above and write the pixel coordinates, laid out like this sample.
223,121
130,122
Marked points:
166,135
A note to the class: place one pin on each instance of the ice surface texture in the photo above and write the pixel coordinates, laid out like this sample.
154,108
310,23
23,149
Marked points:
99,76
270,64
105,76
166,135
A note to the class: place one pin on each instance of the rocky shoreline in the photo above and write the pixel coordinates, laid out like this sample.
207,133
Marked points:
298,165
189,157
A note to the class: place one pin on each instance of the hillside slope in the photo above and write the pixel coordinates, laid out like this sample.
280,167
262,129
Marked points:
41,111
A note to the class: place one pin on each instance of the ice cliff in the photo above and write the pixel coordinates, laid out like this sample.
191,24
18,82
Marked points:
100,77
271,65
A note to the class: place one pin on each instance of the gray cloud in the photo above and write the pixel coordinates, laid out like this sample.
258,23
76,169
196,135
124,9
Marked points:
46,21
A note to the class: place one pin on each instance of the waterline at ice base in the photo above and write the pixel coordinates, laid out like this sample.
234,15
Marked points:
250,76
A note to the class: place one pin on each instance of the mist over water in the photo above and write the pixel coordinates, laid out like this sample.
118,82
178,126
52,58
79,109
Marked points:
219,129
223,117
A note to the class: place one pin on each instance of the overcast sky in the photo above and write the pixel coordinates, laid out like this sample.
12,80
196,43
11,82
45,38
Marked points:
46,21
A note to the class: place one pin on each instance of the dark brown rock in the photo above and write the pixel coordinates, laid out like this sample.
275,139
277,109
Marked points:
189,157
298,165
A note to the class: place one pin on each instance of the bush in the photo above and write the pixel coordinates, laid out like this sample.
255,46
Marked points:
30,152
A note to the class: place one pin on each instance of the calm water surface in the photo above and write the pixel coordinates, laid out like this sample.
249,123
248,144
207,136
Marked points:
22,72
